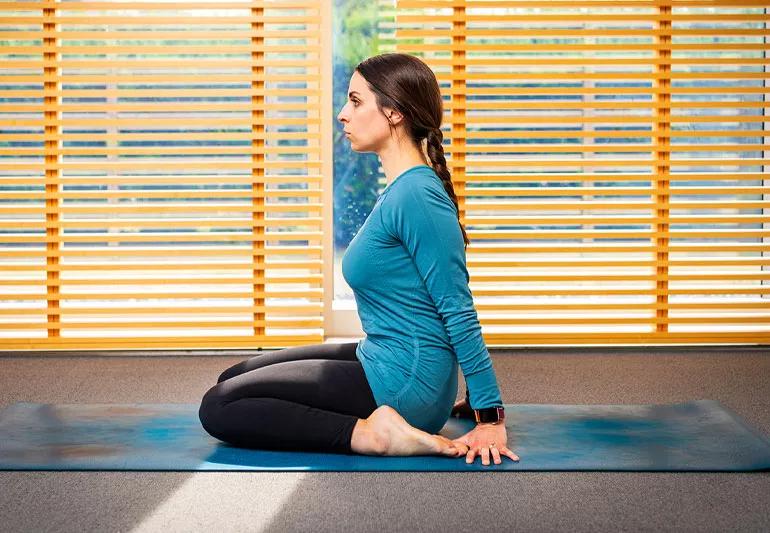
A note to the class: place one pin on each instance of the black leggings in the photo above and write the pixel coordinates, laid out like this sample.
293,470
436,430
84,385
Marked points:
305,398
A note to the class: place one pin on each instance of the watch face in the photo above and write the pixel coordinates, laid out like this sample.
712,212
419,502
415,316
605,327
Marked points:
490,414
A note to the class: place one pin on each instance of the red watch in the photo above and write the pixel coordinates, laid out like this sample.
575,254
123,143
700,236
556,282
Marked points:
490,415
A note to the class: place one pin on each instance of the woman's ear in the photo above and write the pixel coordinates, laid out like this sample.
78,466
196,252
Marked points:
394,116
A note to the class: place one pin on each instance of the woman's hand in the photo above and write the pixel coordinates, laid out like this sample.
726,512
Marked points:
485,439
461,409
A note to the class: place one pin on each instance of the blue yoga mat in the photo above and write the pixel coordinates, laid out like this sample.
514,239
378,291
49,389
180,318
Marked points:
694,436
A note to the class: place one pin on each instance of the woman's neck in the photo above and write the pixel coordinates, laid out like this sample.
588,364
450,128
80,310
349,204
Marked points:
398,157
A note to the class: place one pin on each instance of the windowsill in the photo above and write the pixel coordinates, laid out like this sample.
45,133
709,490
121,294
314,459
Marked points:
343,305
340,340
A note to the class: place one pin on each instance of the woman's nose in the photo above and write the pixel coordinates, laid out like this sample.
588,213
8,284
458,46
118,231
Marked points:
341,115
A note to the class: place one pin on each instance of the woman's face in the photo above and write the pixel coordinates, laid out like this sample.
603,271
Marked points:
366,127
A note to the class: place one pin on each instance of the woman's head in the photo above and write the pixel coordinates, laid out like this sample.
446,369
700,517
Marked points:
397,96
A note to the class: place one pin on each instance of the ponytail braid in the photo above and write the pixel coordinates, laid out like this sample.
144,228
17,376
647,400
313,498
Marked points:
438,161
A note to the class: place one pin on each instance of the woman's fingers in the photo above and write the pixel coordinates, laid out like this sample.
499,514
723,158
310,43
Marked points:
510,454
471,451
496,456
484,455
484,452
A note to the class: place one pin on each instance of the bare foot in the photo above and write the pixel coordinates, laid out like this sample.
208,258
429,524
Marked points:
386,432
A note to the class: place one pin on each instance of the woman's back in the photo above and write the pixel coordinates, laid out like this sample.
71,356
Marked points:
406,266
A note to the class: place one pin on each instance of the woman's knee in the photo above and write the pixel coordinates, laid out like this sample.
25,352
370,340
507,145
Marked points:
210,411
227,374
231,372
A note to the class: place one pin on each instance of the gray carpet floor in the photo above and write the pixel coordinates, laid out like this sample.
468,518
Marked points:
739,377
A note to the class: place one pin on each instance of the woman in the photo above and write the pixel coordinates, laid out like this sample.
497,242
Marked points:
391,392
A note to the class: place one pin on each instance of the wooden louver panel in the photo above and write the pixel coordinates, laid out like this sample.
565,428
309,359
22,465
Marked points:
160,180
611,164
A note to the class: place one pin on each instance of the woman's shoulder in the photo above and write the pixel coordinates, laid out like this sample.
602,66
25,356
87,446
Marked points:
417,178
420,191
424,171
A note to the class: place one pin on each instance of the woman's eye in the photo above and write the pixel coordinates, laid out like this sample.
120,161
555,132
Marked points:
355,103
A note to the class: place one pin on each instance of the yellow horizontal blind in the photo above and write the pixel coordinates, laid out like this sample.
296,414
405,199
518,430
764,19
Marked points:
611,163
160,174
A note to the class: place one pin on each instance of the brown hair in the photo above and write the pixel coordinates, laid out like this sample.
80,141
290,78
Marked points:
406,84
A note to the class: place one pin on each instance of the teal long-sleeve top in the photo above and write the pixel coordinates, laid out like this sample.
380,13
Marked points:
406,267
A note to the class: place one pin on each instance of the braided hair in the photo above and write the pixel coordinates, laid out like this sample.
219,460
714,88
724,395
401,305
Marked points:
405,83
435,147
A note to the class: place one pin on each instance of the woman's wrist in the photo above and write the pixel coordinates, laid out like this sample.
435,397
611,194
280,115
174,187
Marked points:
493,415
